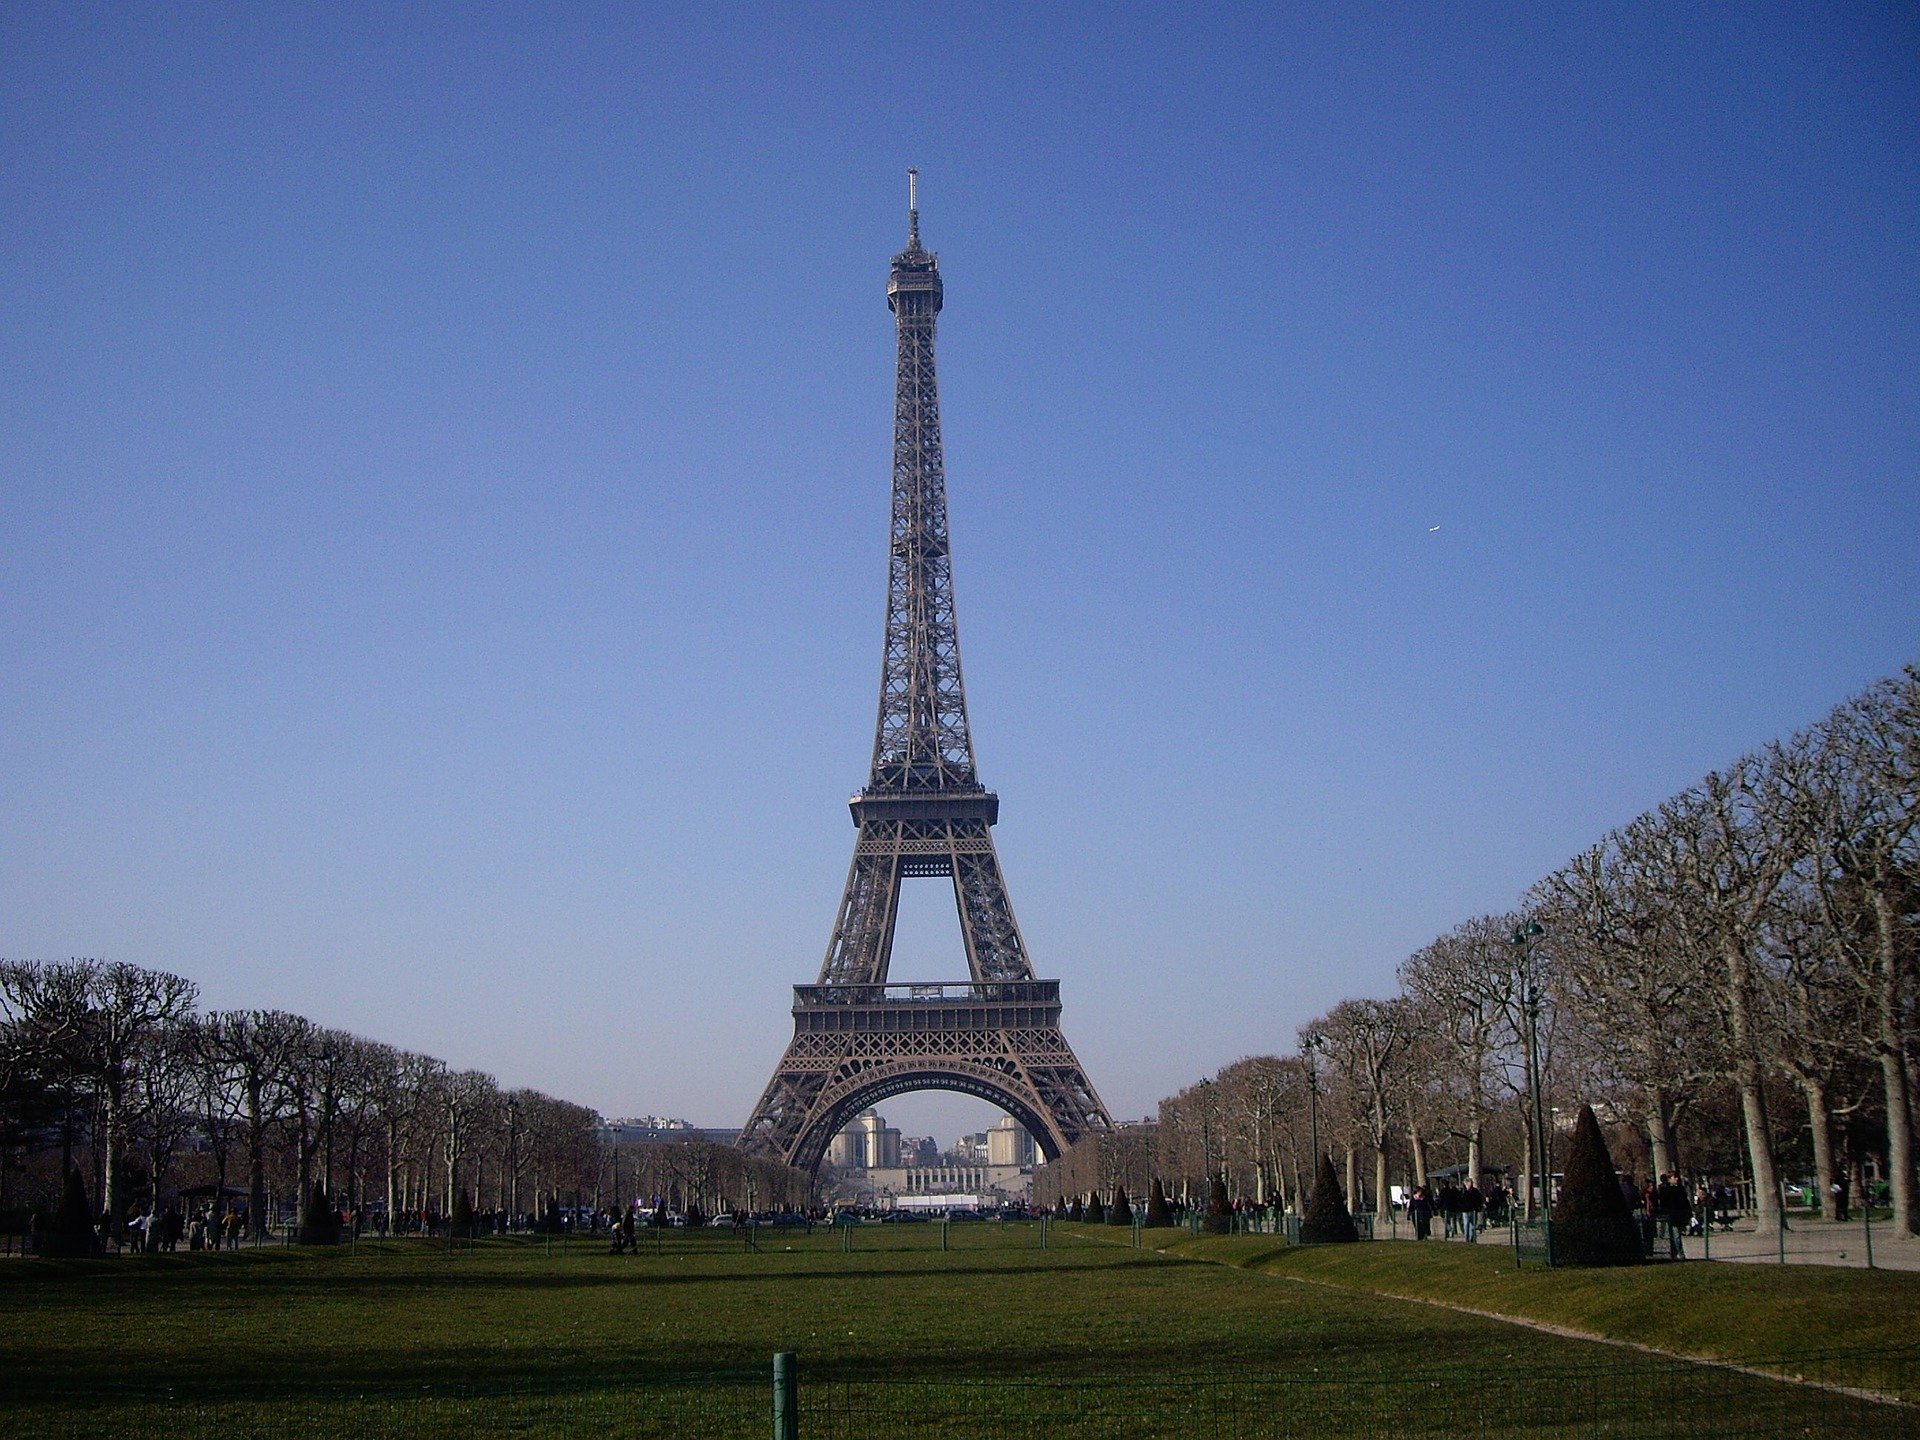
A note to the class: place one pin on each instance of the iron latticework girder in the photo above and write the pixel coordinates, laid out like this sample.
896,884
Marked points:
923,812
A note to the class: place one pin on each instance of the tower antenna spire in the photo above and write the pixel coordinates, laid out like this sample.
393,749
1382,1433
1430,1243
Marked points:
913,209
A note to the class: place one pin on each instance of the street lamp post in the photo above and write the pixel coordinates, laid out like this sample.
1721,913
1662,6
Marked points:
1310,1044
1523,939
1206,1134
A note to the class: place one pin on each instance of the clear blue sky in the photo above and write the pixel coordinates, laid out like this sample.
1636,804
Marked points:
443,464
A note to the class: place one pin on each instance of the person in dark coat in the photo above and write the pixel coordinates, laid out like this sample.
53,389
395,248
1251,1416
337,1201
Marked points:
1420,1208
1670,1203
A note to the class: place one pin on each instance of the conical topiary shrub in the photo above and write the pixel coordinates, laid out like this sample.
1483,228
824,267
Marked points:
1060,1208
1096,1212
1159,1215
319,1221
1219,1217
72,1236
1121,1211
1592,1222
1327,1221
463,1225
1076,1211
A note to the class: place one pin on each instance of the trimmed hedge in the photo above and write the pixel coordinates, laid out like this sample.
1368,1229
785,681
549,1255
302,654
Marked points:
1327,1221
1592,1221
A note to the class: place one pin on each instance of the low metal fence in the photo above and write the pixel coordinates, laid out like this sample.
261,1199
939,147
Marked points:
1805,1241
1635,1397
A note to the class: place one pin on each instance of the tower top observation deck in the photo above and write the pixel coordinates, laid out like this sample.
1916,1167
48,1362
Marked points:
914,281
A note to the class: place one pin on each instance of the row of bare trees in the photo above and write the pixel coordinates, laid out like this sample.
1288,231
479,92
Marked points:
1732,975
113,1064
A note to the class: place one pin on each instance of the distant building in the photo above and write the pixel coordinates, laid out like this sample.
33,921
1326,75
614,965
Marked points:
1008,1143
983,1170
644,1129
869,1143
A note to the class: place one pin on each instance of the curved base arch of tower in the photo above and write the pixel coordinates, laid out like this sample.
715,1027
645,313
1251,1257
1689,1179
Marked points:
855,1045
835,1112
923,813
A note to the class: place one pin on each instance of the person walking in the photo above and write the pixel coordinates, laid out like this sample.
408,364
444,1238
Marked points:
1420,1208
1472,1204
1675,1212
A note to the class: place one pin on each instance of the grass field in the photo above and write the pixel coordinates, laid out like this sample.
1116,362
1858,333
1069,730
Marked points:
994,1337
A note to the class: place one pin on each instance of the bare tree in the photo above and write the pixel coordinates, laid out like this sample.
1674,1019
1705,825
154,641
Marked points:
1637,971
251,1048
1856,811
1365,1040
1720,845
1466,983
99,1022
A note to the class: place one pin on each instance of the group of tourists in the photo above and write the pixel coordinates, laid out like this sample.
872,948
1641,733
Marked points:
1462,1209
154,1231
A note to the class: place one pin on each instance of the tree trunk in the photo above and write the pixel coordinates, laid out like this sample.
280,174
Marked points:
1417,1142
1893,1073
1473,1150
115,1180
1893,1067
256,1164
1747,1080
1526,1171
1820,1124
1660,1130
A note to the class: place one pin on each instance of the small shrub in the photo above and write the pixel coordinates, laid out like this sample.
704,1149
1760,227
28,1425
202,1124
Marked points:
463,1215
319,1221
1327,1221
1592,1222
72,1235
1219,1217
1159,1215
1076,1211
1121,1211
1096,1212
1060,1208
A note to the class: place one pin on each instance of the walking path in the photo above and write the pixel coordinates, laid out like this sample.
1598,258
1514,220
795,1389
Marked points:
1807,1241
1810,1242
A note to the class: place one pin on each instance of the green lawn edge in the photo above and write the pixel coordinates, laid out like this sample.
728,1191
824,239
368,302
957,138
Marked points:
1862,1326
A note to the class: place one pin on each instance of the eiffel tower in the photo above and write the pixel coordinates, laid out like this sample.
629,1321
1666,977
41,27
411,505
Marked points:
856,1038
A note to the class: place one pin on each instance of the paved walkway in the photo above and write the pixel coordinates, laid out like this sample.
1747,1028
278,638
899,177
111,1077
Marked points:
1810,1242
1807,1242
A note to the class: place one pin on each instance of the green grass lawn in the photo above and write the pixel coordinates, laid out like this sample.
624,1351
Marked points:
994,1337
1856,1327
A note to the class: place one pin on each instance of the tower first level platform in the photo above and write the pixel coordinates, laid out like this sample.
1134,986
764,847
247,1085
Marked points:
856,1045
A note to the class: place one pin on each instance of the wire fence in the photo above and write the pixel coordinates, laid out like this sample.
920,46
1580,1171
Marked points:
1804,1242
1631,1398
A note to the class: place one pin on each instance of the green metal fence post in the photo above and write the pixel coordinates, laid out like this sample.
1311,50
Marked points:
846,1239
945,1224
1866,1217
1781,1239
786,1397
1046,1232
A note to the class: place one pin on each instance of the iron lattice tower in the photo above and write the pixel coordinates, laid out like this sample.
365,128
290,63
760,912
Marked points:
856,1038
